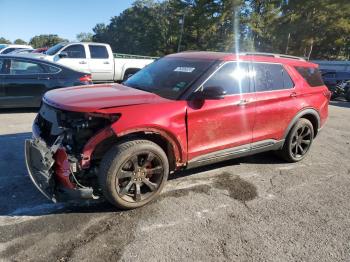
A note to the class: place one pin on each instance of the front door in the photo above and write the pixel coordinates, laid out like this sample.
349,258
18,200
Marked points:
226,123
75,59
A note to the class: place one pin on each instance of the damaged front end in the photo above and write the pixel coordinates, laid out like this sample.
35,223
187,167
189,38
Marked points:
56,158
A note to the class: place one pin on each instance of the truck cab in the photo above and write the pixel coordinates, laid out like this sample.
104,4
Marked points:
96,59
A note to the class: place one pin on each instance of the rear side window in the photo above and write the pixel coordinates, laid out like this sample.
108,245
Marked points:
234,78
98,52
25,68
52,69
8,50
75,51
269,77
311,75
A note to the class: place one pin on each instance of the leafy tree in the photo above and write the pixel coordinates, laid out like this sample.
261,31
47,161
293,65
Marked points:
4,41
84,37
20,42
45,40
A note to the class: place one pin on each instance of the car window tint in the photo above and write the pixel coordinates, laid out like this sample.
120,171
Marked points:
75,51
311,74
1,64
234,78
52,69
269,77
22,68
8,50
98,52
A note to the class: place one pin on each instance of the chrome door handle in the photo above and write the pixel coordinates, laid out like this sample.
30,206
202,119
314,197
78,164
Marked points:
293,94
243,102
106,63
82,62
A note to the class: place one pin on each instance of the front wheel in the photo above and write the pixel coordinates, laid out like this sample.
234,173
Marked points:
298,141
133,173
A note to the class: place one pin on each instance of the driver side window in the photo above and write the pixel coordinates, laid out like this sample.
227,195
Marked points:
75,51
234,78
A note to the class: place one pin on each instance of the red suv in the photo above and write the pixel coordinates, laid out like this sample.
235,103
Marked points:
121,141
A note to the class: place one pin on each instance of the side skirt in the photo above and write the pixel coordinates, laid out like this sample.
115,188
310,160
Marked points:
236,152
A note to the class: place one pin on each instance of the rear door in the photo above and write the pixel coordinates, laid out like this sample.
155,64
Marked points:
276,101
226,123
76,58
24,83
101,63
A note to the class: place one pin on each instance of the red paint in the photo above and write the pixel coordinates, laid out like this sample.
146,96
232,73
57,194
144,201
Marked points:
91,145
62,168
217,124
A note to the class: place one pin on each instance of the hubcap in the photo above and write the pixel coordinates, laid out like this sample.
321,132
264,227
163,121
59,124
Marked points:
139,177
301,141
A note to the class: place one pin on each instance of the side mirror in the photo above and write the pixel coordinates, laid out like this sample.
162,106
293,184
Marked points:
63,54
210,93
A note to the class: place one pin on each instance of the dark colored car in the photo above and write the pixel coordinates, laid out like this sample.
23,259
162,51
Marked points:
121,141
338,83
23,80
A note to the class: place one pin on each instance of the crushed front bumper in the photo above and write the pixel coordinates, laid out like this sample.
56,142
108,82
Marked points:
39,161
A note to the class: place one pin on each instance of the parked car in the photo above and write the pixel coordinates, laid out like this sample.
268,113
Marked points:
189,109
5,49
40,50
21,51
98,59
24,80
338,83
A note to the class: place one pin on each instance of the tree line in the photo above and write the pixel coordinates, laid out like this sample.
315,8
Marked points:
319,29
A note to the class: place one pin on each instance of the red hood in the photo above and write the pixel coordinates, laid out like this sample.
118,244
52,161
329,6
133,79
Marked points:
94,97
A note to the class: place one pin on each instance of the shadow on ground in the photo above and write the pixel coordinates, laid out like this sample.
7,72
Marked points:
340,103
19,197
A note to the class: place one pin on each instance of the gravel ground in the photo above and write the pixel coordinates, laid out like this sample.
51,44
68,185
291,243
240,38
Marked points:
251,209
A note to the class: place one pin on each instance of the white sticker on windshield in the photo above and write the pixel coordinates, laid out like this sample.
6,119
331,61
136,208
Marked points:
184,69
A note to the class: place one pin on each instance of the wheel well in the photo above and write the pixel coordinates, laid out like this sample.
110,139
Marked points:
104,146
131,70
314,121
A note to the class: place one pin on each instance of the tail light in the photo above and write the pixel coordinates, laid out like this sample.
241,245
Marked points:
85,78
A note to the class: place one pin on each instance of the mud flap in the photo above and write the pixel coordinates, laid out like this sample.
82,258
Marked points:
39,162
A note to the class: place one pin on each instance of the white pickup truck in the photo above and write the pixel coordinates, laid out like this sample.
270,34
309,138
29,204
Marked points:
96,59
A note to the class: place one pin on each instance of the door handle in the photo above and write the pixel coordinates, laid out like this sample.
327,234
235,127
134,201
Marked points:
293,94
82,62
106,63
243,102
44,78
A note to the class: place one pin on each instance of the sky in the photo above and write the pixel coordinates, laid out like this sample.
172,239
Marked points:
66,18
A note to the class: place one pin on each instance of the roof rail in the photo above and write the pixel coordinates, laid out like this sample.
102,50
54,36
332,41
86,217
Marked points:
273,55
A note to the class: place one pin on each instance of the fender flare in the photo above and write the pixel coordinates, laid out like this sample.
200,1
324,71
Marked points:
300,114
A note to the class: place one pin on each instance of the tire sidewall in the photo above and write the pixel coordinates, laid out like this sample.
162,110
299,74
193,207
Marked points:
119,160
301,122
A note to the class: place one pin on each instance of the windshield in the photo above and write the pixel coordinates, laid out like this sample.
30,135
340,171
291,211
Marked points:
168,77
53,50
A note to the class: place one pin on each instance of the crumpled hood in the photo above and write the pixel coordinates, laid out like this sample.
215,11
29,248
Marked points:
94,97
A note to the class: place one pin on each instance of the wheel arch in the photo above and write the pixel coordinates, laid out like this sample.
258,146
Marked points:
171,146
310,114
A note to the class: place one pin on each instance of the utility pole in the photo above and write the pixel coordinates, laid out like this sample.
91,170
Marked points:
182,22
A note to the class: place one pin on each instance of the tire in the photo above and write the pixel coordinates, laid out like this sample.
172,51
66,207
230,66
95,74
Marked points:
133,173
298,141
347,95
129,72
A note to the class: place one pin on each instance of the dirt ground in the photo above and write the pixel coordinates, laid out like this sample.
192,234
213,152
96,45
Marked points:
252,209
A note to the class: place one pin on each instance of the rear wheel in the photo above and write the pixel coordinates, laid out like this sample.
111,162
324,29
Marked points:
298,141
133,173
